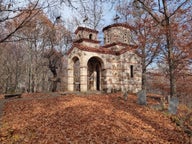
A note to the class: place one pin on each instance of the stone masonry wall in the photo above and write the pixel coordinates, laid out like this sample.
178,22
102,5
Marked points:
118,73
115,71
85,34
117,34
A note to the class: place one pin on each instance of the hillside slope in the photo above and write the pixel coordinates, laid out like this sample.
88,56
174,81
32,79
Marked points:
40,118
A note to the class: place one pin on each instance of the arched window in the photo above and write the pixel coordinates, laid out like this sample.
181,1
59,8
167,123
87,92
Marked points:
108,39
90,36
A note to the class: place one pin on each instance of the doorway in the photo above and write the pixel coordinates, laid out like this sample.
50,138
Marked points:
94,73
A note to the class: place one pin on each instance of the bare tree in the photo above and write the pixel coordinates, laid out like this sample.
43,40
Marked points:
26,11
91,13
11,10
55,64
166,15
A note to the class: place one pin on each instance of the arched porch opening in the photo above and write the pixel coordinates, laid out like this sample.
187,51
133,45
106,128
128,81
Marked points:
76,74
94,73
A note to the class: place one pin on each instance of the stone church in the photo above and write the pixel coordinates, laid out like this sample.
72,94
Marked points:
109,68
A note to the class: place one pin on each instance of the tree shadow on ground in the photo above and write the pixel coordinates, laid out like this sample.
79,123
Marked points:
164,130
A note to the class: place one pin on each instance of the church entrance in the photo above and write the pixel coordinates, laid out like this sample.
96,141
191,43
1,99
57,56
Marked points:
94,73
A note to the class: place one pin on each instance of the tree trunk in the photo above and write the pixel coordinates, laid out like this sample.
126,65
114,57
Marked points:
144,80
143,69
54,80
170,52
54,87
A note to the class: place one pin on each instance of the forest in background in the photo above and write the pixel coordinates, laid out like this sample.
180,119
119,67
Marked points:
34,39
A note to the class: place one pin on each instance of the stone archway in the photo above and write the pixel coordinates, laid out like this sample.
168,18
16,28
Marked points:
76,74
94,73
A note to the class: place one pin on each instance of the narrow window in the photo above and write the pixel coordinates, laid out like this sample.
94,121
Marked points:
131,71
90,36
108,40
125,37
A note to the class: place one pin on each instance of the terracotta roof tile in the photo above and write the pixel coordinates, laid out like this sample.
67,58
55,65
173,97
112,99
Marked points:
85,29
100,49
118,43
87,40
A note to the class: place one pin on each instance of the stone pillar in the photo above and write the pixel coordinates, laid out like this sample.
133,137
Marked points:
83,78
94,79
70,80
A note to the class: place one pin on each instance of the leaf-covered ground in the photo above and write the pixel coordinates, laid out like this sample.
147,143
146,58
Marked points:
43,119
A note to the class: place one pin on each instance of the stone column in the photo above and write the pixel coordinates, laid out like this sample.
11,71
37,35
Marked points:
94,80
83,78
70,80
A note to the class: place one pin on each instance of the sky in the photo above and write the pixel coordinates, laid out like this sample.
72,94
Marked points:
67,13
